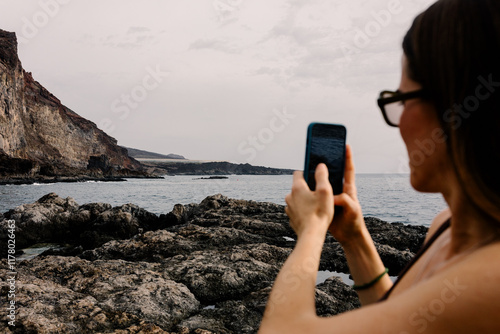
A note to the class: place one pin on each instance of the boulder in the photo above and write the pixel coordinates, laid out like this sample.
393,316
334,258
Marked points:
71,295
53,219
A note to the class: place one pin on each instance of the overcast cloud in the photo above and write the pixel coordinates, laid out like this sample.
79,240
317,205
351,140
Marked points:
235,80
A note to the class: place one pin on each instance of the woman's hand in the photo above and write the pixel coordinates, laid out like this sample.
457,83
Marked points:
349,223
308,210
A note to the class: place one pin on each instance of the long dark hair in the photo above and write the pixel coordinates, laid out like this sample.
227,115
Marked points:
453,51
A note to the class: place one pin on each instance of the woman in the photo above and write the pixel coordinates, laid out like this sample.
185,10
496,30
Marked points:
448,110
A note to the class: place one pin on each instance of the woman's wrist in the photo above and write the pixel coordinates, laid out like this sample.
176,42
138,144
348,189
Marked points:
356,239
363,258
314,227
370,284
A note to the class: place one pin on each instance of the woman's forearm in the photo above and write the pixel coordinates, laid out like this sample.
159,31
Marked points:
291,301
365,265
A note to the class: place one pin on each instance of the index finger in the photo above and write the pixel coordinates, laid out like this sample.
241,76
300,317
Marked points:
297,175
298,180
349,173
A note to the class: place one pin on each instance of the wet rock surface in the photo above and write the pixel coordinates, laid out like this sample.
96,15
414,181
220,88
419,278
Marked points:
203,268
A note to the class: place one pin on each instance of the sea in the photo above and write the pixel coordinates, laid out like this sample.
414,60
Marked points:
389,197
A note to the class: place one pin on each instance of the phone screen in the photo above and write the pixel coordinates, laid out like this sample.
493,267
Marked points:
326,144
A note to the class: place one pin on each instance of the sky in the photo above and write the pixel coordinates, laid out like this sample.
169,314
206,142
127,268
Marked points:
230,80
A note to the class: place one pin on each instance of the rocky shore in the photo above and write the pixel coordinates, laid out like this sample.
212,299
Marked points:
72,179
202,268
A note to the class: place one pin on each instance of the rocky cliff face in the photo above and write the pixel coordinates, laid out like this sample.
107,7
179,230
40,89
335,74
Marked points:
41,137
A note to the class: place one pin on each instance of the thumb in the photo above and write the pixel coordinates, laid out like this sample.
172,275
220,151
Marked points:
321,176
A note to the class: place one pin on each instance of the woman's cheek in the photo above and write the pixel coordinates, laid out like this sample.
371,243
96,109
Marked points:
405,129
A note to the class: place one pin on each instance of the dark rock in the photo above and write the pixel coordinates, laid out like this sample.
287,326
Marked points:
118,223
53,219
71,295
398,235
232,316
179,215
158,245
100,162
46,220
202,268
334,297
63,179
8,48
9,166
244,315
333,257
213,168
394,259
212,178
215,276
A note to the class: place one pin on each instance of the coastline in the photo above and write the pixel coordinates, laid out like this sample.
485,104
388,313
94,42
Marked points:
156,169
196,167
72,179
206,266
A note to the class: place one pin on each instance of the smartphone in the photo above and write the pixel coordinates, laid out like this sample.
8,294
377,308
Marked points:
326,144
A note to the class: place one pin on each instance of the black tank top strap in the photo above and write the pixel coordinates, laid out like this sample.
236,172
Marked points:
417,256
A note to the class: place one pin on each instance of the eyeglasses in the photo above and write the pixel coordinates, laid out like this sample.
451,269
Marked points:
392,104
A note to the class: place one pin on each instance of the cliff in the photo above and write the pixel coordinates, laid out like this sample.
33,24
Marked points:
40,137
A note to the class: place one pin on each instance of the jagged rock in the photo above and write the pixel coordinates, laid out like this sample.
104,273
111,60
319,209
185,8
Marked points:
395,260
71,295
179,215
158,245
244,316
232,316
43,221
333,257
334,297
208,268
53,219
215,276
100,163
401,237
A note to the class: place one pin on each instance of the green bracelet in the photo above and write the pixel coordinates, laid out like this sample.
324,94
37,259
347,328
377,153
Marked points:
372,283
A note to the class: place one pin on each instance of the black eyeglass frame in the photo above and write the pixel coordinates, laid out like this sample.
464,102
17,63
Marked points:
396,97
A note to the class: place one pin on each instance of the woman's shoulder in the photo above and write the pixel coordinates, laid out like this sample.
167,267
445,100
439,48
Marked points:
463,298
479,273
